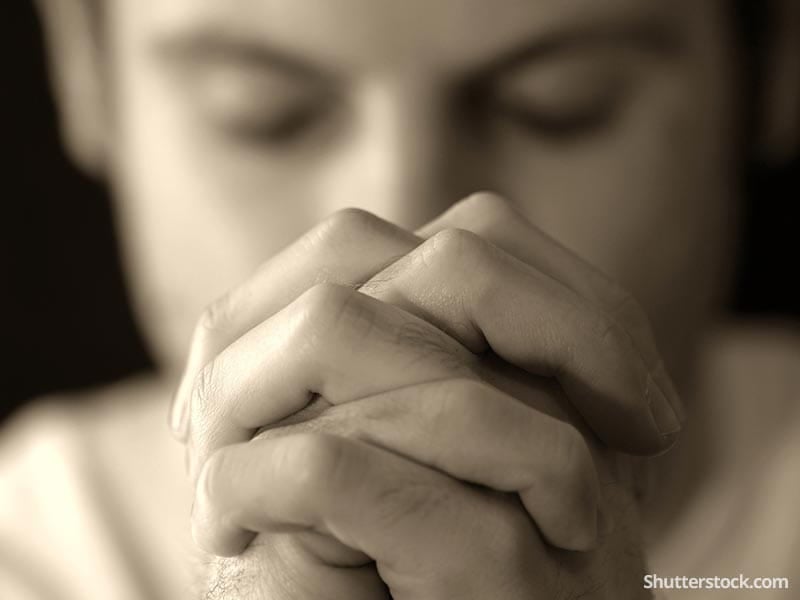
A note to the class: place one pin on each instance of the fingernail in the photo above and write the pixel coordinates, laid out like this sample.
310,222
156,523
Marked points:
664,382
663,413
177,414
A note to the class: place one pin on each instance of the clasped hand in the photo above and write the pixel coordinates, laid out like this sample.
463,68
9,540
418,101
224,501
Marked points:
384,414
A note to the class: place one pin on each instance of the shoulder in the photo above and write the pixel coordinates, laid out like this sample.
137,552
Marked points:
754,368
91,484
761,347
72,435
743,517
751,386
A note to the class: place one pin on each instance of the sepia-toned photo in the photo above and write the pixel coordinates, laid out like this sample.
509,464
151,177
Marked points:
401,300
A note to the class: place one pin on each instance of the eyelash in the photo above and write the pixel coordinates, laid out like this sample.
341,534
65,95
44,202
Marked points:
540,124
562,127
275,132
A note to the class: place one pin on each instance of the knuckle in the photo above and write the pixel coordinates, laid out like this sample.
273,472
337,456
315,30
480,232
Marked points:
331,308
455,246
481,205
326,298
326,302
342,225
455,240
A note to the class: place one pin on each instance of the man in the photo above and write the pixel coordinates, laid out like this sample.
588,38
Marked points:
390,404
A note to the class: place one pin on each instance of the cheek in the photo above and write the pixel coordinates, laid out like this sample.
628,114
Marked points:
195,220
652,203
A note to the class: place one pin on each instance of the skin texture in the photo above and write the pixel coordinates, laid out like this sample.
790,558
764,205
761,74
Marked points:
611,130
408,117
341,502
609,127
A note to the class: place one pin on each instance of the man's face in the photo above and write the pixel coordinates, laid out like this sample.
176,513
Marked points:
240,124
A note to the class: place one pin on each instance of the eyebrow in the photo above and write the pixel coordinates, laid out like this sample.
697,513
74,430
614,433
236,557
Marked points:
647,35
208,44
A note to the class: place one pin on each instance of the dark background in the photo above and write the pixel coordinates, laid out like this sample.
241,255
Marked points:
66,323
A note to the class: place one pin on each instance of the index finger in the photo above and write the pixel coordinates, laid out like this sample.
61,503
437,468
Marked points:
494,218
346,249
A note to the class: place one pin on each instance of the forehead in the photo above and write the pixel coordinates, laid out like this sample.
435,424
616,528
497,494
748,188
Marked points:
450,34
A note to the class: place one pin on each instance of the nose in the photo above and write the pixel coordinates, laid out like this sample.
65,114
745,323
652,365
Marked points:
400,160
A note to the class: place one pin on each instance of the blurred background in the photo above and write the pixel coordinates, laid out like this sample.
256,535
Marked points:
66,321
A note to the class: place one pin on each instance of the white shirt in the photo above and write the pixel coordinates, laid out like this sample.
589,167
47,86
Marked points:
94,501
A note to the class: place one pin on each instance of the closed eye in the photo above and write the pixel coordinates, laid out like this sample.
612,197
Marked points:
568,96
249,92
